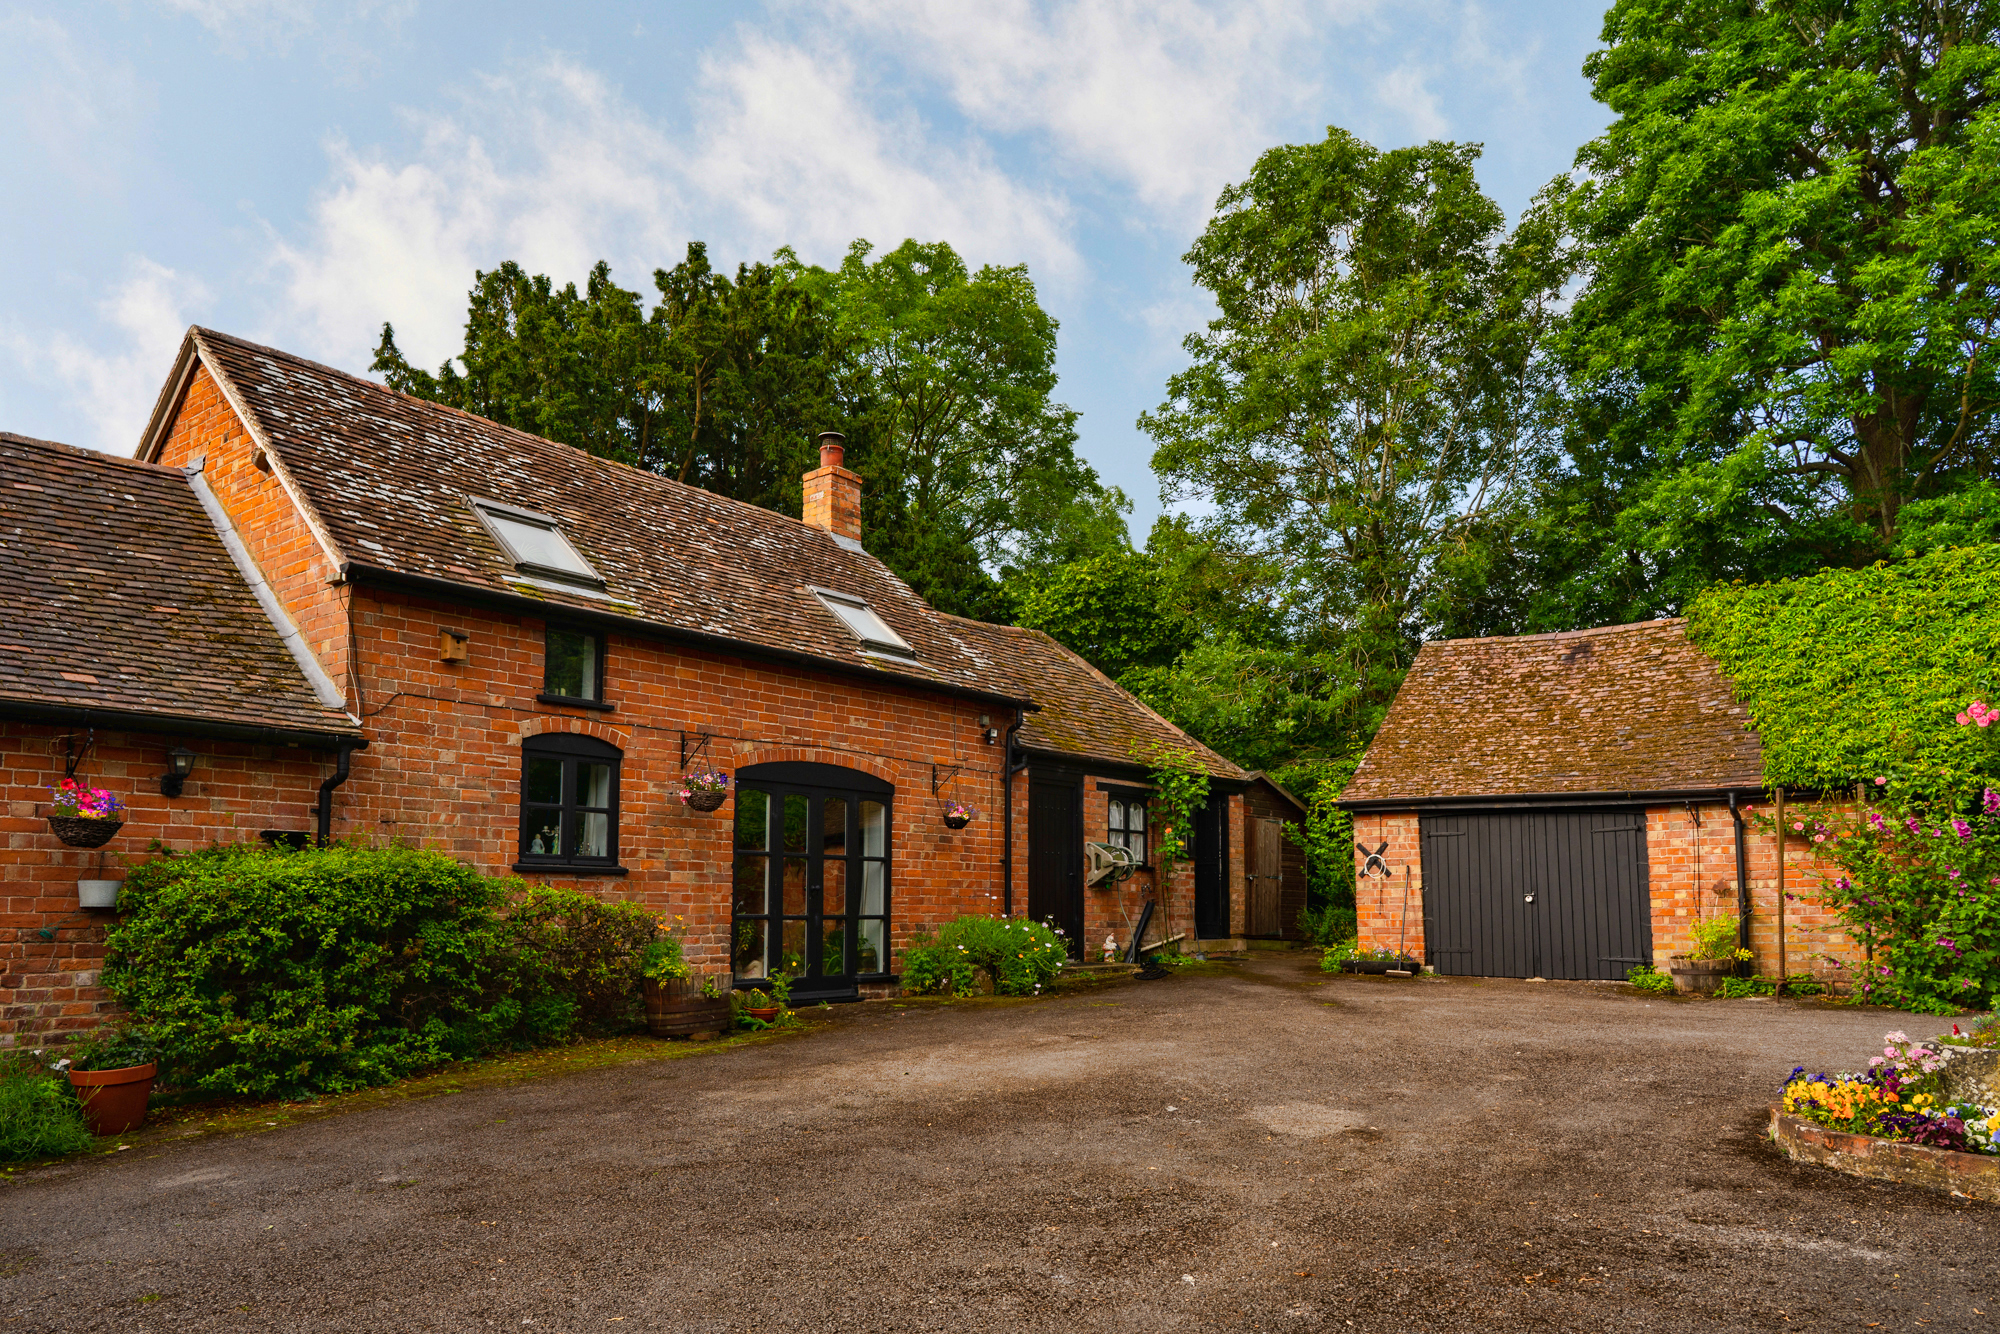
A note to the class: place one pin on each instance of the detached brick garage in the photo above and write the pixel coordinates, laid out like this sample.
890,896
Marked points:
1568,805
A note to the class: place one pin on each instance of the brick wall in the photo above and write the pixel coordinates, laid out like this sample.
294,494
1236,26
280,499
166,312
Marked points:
50,988
276,532
443,765
1379,902
1692,860
1691,864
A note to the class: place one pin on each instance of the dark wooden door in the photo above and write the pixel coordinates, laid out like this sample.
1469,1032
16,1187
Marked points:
1211,870
1264,872
1055,856
1549,893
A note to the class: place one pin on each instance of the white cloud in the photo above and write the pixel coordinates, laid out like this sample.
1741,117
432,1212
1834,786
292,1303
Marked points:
80,106
1170,98
805,154
345,34
114,390
1405,91
563,173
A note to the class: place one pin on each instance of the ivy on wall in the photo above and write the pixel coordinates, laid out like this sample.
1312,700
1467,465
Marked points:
1848,674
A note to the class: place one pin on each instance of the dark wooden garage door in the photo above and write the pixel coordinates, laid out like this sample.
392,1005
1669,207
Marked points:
1547,893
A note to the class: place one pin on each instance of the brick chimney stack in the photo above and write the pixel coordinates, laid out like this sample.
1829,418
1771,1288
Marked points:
833,494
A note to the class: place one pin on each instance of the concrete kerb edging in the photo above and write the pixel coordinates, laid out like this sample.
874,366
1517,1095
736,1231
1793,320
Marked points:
1970,1175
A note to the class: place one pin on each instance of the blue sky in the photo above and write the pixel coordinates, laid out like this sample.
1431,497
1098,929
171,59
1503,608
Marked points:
298,172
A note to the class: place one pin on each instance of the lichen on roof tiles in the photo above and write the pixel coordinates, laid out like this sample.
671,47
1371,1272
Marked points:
1623,708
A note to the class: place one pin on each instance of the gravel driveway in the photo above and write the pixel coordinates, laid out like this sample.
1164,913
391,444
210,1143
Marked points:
1264,1150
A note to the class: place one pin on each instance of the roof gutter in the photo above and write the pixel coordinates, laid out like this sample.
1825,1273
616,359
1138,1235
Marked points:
426,586
1126,769
173,724
1649,796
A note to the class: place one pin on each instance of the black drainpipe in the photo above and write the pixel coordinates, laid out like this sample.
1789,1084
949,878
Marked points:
326,794
1007,771
1742,879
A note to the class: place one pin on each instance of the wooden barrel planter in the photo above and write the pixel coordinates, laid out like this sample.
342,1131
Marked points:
677,1009
80,831
1699,977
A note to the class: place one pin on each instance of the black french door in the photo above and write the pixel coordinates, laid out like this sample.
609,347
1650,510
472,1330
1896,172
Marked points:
811,883
1055,854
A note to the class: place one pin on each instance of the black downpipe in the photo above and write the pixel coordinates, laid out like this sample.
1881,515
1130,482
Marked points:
1742,879
1008,768
326,795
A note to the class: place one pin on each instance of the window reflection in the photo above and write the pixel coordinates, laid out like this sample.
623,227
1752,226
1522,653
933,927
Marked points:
753,818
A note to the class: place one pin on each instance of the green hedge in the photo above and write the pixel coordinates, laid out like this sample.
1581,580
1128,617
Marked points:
1020,956
1848,674
274,973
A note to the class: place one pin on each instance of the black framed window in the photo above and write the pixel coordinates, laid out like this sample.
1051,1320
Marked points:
569,801
1126,826
573,664
811,896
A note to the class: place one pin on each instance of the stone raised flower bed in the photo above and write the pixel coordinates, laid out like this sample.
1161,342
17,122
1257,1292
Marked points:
1974,1175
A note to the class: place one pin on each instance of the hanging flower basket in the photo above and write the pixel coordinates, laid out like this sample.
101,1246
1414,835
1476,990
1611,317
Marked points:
84,816
83,831
957,815
704,789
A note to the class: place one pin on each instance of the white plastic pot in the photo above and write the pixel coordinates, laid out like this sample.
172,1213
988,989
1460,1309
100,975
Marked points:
97,893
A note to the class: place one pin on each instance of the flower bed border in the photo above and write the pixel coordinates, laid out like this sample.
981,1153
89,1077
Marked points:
1973,1175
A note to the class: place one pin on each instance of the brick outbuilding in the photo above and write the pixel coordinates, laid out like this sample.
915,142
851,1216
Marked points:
519,650
1569,805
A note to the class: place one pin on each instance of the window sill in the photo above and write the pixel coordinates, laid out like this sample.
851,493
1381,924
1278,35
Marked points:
571,702
566,871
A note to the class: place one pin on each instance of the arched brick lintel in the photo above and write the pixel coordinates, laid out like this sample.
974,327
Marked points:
616,736
888,773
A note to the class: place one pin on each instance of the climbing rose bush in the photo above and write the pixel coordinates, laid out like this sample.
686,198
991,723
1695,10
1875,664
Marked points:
1917,878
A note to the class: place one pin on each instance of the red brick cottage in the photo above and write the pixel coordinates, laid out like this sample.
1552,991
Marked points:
519,649
1568,805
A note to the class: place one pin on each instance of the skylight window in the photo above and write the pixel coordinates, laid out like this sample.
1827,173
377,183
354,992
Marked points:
535,543
873,632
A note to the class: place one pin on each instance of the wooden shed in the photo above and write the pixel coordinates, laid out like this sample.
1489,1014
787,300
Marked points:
1274,866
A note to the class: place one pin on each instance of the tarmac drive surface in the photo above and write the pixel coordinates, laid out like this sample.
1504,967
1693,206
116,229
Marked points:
1266,1150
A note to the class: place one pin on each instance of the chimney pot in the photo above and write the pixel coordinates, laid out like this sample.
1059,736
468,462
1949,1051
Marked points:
833,494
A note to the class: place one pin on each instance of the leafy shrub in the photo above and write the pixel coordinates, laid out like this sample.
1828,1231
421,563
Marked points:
1020,956
1737,988
1339,953
1647,979
575,950
1848,673
39,1116
1917,882
1716,937
1327,926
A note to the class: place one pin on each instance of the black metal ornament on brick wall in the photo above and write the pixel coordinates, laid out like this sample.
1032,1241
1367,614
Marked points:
1372,862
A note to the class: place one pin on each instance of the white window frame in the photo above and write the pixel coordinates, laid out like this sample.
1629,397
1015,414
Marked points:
488,510
891,646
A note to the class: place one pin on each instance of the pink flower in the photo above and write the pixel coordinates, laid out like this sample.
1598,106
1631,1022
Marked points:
1881,782
1798,824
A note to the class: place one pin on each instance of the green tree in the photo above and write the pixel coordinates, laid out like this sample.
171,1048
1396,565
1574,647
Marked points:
1786,330
971,464
1363,413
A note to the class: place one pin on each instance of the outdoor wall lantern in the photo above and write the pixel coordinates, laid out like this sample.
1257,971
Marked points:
182,761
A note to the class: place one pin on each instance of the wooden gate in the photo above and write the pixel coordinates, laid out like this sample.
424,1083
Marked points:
1546,893
1264,871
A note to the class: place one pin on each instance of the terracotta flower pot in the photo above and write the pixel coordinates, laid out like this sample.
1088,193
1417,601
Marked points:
767,1013
80,831
706,801
114,1101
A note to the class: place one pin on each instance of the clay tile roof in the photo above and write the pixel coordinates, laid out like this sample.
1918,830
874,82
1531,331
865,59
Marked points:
117,595
1082,711
1625,708
389,478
